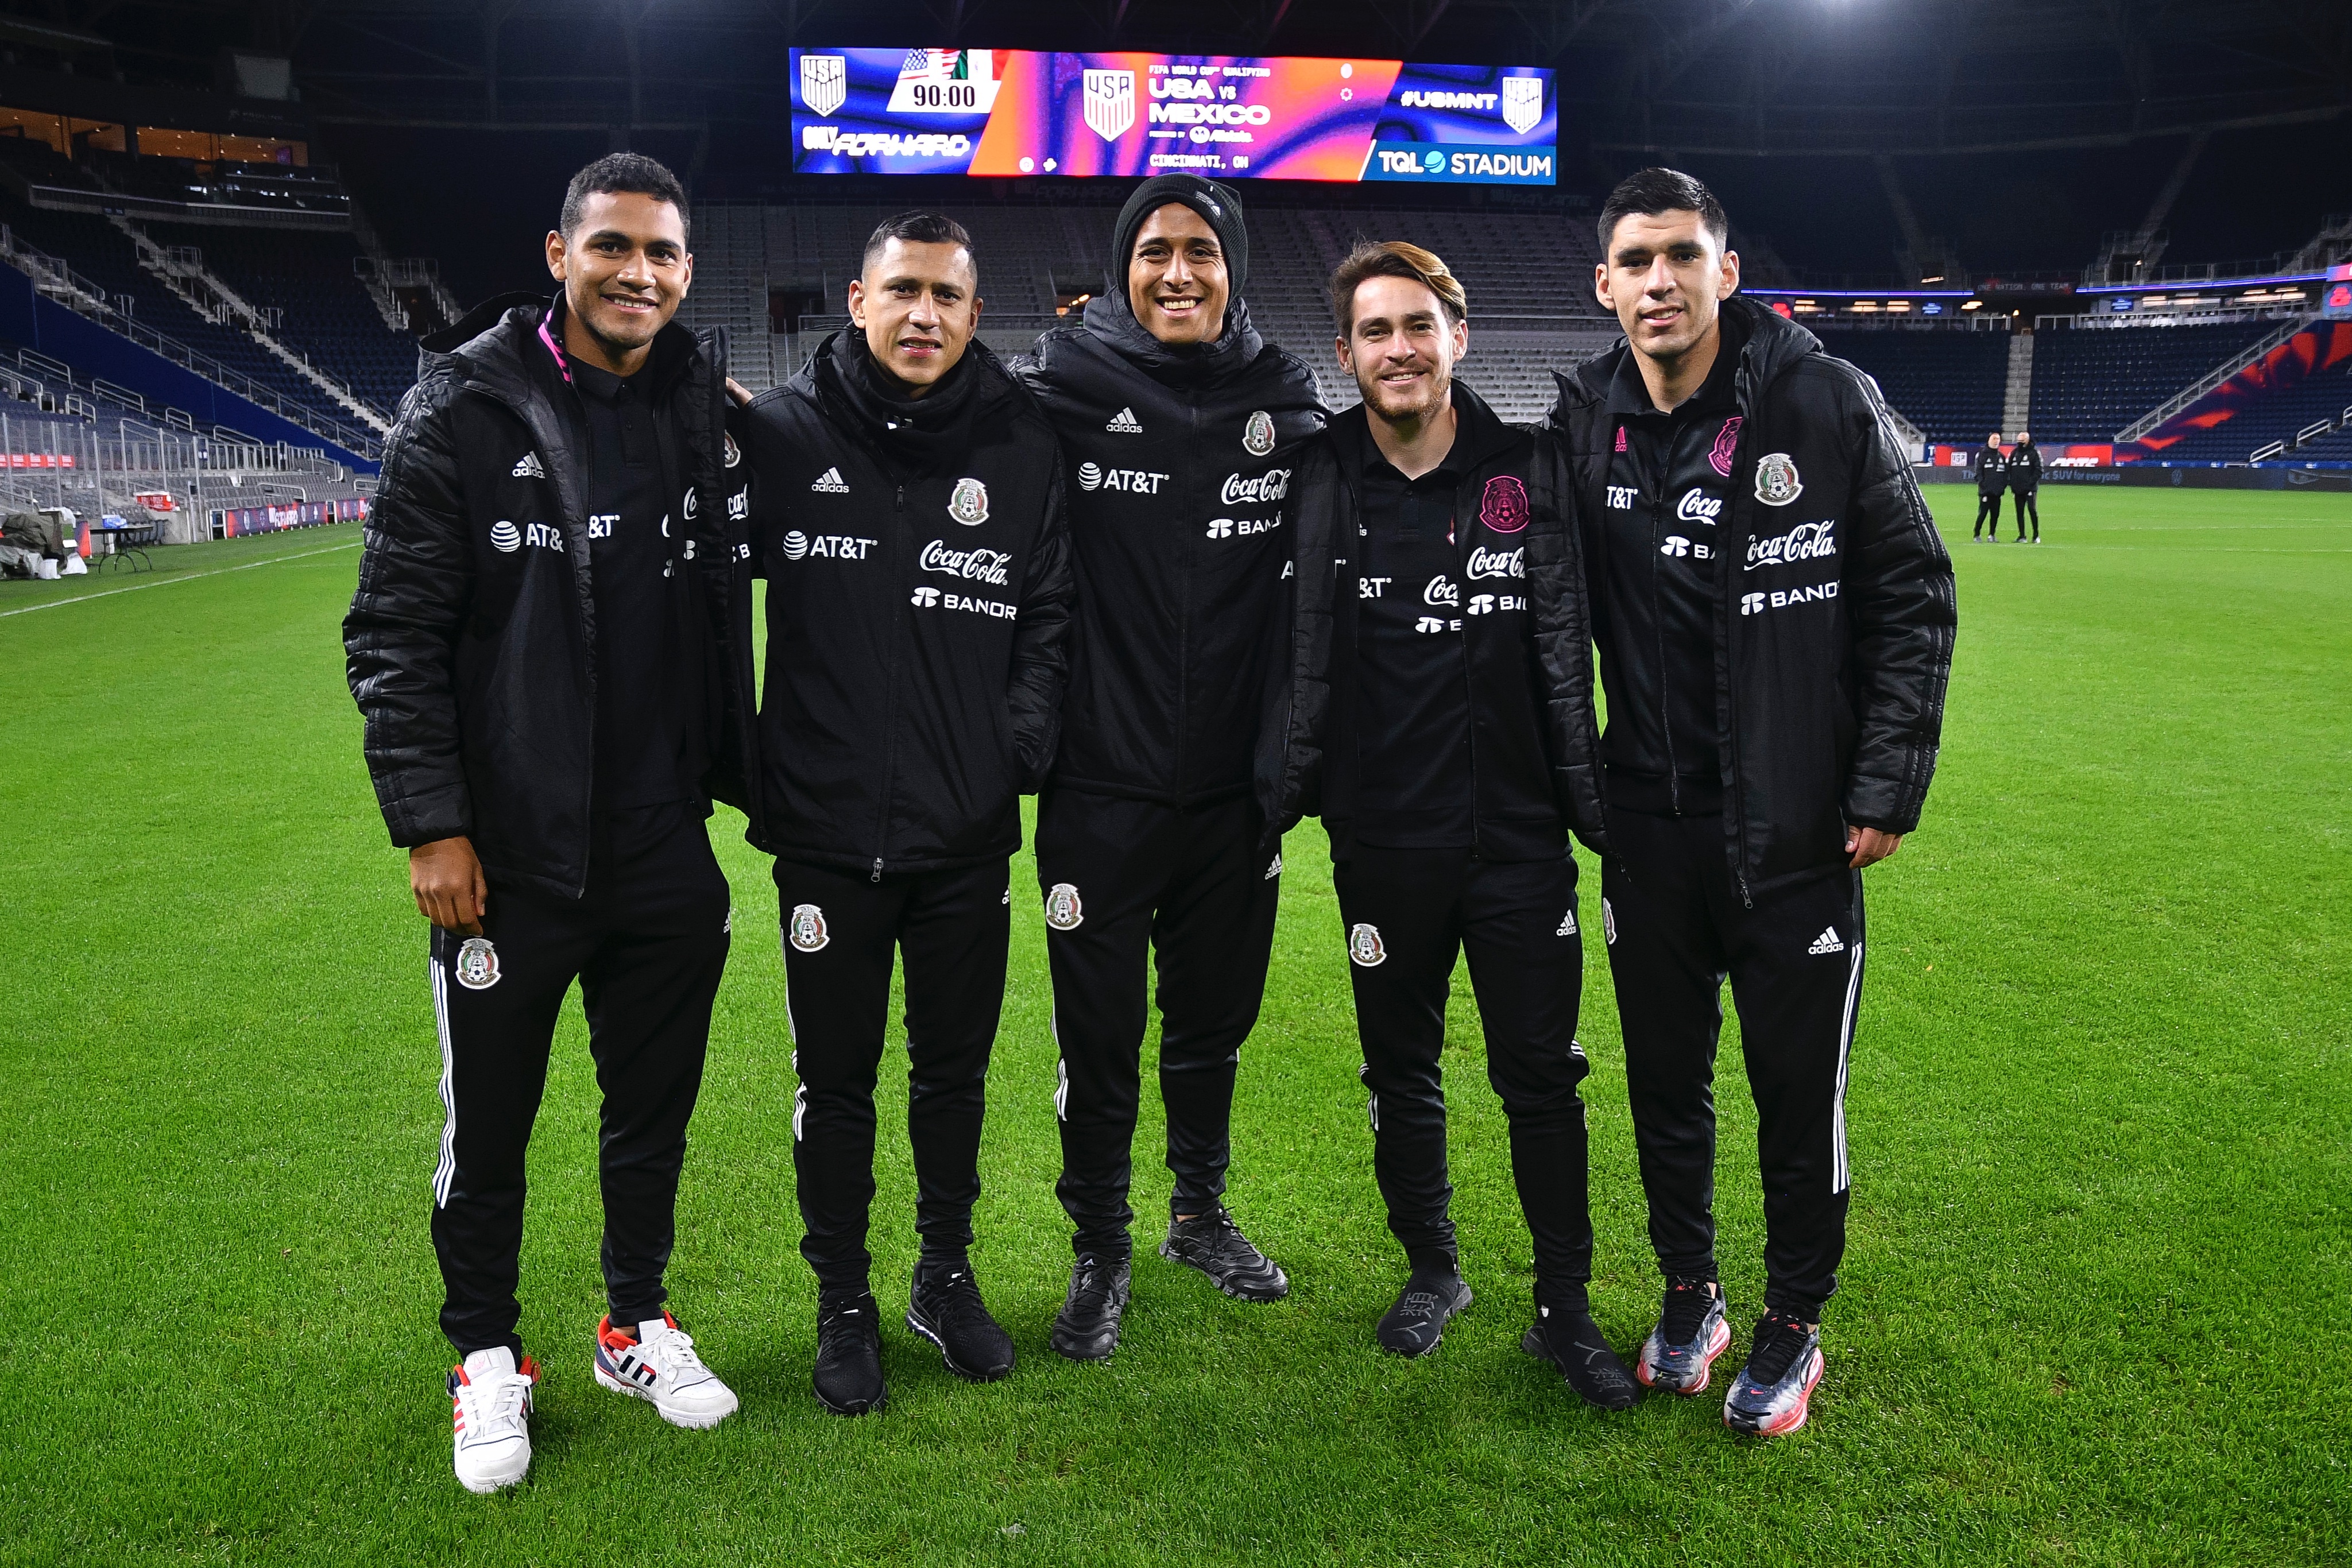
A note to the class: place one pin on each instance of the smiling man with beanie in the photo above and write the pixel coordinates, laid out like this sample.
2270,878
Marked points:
1176,421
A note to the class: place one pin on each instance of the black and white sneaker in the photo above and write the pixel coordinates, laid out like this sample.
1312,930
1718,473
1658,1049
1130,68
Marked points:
1679,1355
1087,1328
848,1379
1573,1343
1215,1245
945,1308
1416,1324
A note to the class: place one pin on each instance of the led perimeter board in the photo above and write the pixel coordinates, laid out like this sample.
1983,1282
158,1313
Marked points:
1023,112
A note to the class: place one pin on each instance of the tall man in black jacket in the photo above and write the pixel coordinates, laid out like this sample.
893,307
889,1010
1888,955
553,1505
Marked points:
2024,472
1989,465
1775,616
1175,420
908,513
1418,725
551,647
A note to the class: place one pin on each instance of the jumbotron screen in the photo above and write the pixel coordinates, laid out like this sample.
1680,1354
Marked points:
1023,112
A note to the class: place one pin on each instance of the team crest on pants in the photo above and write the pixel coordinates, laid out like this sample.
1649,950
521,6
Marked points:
1063,910
806,929
1364,946
478,963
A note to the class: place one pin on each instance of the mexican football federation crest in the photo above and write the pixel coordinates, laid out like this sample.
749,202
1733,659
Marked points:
478,963
968,505
1063,910
1522,102
1364,946
1110,103
1777,483
806,929
1503,505
1257,435
824,82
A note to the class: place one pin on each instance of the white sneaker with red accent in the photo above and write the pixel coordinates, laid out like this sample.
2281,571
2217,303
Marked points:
1773,1393
658,1364
489,1396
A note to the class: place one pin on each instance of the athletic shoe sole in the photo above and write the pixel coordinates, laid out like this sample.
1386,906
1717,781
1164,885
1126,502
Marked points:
698,1422
1789,1420
1717,1343
872,1407
915,1322
483,1486
1274,1292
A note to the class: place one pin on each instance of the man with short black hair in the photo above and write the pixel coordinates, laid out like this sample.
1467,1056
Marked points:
1775,617
2024,473
550,645
1175,418
907,516
1990,463
1417,726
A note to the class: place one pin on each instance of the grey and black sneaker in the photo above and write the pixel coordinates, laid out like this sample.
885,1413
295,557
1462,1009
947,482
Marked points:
945,1308
1573,1343
1415,1325
848,1378
1679,1355
1215,1245
1774,1391
1087,1328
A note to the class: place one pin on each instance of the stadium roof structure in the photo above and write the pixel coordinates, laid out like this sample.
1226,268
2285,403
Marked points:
1723,77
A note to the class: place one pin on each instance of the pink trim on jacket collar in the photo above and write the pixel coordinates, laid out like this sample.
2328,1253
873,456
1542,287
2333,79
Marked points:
547,337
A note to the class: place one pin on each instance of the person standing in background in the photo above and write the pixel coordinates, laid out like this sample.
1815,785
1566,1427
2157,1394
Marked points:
1987,463
2024,471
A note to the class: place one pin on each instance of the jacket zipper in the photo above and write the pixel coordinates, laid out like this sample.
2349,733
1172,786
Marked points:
1658,619
890,700
1190,551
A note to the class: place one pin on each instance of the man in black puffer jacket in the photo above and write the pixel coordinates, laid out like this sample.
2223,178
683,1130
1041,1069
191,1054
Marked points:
550,645
1989,465
1175,420
1775,616
907,509
2024,473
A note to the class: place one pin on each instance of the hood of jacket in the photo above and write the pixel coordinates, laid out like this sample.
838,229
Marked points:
1774,343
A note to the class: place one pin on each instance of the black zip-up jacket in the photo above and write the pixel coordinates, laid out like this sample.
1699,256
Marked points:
1990,466
917,626
1511,536
2024,467
1835,611
1180,467
471,641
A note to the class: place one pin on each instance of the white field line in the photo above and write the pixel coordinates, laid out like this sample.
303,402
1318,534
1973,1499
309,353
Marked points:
248,566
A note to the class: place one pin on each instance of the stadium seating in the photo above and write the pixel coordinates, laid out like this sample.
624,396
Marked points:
2275,417
42,165
2088,383
1946,382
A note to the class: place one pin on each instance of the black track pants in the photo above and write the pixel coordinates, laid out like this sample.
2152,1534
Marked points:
1407,915
2024,501
841,932
1675,928
1988,510
1143,878
647,945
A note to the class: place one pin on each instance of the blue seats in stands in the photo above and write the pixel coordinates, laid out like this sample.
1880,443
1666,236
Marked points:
1948,382
2089,382
2274,418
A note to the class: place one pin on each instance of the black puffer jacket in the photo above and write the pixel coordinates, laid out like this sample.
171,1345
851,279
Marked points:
1990,466
1180,465
1509,533
2024,467
1835,615
918,622
471,641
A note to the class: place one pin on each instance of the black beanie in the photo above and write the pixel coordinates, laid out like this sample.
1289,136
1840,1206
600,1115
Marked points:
1218,206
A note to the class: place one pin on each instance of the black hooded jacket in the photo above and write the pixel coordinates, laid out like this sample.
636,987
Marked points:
919,608
1834,612
2024,467
1180,465
1990,466
471,641
1535,764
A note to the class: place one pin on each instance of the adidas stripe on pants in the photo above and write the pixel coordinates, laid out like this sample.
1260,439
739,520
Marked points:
1676,928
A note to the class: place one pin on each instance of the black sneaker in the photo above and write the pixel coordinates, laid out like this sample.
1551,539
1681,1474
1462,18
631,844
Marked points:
1087,1328
848,1378
1416,1324
1573,1343
946,1309
1215,1245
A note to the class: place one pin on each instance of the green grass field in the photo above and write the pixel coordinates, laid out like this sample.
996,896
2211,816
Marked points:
2095,1305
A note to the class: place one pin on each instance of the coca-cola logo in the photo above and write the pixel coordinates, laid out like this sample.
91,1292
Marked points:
972,565
1485,562
1698,507
1271,486
1806,541
1440,590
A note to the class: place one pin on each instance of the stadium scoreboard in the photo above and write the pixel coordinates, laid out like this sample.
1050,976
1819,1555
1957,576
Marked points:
1024,111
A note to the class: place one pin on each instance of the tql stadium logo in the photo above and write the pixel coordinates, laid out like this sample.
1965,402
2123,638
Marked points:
1109,103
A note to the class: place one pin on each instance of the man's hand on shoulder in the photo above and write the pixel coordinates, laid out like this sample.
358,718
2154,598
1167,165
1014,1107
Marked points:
1868,846
446,879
